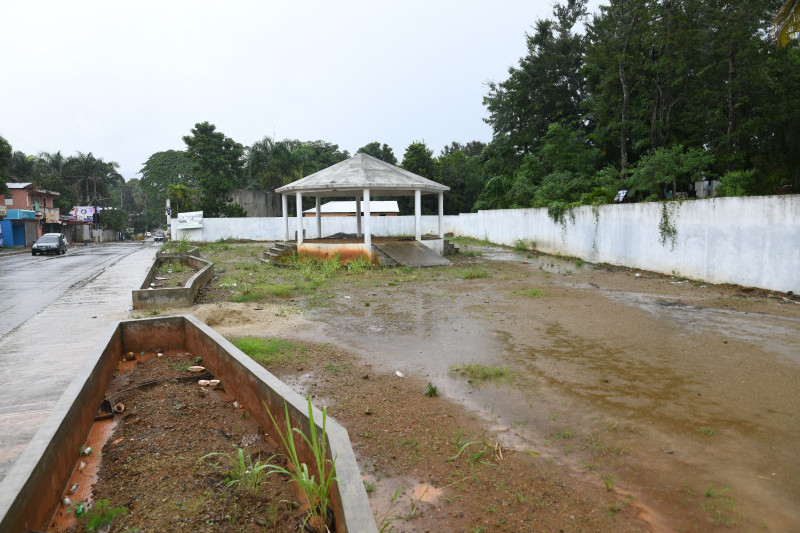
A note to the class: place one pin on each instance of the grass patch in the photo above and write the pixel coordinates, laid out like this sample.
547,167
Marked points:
533,292
474,273
474,370
521,245
470,240
266,351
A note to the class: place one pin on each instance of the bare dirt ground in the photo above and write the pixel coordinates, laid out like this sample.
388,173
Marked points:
152,462
653,402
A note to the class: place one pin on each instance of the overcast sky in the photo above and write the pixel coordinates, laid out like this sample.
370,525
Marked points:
126,79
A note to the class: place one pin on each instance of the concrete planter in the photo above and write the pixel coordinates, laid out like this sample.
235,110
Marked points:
146,298
34,486
169,254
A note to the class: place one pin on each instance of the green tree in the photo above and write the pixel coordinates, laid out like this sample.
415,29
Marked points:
383,152
418,158
459,167
182,198
114,219
162,169
91,177
21,166
667,169
218,163
5,164
546,87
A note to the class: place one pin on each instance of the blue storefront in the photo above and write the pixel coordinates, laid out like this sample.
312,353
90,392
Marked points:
14,228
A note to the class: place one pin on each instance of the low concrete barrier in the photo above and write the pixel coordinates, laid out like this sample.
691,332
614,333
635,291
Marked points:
33,488
172,254
147,298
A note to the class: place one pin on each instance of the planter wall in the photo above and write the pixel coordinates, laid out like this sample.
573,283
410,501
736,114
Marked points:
36,482
192,251
147,298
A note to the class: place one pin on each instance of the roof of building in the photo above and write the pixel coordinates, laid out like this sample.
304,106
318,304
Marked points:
363,172
28,184
345,206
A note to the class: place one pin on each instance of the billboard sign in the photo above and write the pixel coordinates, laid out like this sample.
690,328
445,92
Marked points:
84,213
192,220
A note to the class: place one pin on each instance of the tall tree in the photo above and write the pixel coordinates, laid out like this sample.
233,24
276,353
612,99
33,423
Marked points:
162,169
383,152
546,87
218,162
91,177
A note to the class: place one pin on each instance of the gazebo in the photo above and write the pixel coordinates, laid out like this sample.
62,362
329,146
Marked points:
362,176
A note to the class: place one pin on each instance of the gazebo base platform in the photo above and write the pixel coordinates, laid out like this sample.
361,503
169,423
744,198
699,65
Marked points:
387,251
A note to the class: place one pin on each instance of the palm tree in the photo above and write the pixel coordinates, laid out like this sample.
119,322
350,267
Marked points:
786,25
91,176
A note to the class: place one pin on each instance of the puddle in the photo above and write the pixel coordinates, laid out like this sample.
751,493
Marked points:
546,263
665,394
84,476
396,499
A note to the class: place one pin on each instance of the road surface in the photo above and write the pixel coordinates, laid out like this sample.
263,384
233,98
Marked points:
53,312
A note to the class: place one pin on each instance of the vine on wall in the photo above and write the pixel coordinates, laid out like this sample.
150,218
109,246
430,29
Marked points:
666,226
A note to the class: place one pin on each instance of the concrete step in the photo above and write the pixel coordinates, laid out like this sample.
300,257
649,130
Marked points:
278,249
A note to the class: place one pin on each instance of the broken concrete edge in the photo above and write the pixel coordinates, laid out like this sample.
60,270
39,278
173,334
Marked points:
145,298
33,488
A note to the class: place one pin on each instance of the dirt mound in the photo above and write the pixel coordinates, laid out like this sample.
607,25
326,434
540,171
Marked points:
246,319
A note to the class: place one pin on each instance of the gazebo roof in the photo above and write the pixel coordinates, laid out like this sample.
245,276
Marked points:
361,172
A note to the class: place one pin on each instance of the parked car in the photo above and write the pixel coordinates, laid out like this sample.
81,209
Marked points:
50,243
160,236
148,235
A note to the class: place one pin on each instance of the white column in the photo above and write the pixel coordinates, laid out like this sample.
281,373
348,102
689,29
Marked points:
418,214
319,220
299,196
358,217
367,234
441,215
285,211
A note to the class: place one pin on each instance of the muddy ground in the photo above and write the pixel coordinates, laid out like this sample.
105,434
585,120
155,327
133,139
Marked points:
653,402
169,458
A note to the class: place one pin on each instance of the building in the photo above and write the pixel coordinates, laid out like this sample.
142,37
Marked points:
30,213
378,208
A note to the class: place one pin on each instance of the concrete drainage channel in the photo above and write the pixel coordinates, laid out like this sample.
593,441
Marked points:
33,488
149,297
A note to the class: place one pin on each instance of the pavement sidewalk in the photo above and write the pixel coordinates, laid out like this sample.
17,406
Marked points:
40,358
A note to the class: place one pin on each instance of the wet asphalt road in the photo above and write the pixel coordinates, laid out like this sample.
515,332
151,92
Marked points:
29,283
55,310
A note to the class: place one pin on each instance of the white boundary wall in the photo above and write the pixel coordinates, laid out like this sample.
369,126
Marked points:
751,241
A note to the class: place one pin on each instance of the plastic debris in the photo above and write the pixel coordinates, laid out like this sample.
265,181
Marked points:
86,451
638,275
66,501
398,374
196,368
160,354
73,488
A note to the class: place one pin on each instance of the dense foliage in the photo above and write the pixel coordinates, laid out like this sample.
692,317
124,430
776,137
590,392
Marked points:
653,97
